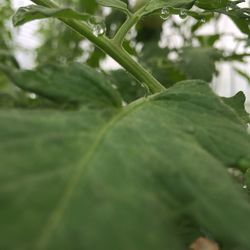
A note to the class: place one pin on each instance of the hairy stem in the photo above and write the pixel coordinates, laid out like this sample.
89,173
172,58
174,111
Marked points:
112,49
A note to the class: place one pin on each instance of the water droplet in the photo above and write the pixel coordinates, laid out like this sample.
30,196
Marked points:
228,8
124,104
98,26
114,86
165,13
32,96
99,29
183,14
202,20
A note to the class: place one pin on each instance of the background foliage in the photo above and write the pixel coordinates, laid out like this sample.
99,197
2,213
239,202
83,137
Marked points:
169,63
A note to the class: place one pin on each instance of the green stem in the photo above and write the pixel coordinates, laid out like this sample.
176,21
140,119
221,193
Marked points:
127,25
112,49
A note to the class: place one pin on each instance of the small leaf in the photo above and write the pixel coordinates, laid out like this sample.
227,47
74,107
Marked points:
117,4
155,5
211,4
199,62
237,102
34,12
240,16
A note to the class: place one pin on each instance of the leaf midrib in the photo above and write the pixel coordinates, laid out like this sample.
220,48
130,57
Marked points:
57,213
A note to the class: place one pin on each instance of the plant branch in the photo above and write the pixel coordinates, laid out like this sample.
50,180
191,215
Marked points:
126,26
112,49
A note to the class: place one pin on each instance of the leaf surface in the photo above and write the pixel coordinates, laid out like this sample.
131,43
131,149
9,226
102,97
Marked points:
199,62
154,5
237,102
117,4
34,12
212,4
76,84
129,178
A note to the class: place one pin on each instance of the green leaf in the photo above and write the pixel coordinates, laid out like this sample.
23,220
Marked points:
237,102
6,100
199,62
117,4
155,58
240,16
76,84
154,5
247,180
212,4
89,179
128,86
242,24
34,12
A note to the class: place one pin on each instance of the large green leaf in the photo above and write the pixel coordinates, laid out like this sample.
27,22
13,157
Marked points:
133,179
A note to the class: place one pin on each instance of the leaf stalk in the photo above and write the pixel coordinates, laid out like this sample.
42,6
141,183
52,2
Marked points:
113,48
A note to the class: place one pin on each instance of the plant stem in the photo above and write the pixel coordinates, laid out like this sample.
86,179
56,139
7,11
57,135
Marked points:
112,49
120,55
127,25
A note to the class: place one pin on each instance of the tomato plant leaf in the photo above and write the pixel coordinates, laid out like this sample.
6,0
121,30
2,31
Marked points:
199,62
76,84
211,4
237,102
34,12
125,178
240,16
154,5
6,100
117,4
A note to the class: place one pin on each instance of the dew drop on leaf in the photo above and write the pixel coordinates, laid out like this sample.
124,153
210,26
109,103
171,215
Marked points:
165,13
32,96
99,29
183,14
228,8
202,20
98,26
